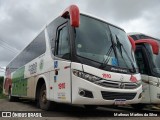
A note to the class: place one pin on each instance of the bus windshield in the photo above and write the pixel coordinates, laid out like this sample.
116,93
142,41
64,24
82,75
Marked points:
154,59
103,43
156,63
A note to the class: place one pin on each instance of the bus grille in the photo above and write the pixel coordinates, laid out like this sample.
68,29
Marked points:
112,84
116,95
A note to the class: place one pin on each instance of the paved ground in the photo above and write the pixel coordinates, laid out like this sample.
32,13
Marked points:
75,113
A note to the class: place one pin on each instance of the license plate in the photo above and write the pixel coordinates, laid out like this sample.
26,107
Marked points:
120,101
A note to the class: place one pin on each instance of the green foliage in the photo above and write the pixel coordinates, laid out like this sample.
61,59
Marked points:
2,96
1,84
1,87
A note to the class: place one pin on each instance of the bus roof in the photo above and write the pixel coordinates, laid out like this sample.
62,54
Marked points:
138,33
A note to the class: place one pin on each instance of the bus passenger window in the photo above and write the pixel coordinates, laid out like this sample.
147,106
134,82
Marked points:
62,44
141,62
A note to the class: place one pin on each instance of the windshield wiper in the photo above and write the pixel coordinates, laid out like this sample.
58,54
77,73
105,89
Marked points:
121,46
111,48
105,61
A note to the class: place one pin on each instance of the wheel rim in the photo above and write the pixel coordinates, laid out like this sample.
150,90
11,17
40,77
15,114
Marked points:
43,97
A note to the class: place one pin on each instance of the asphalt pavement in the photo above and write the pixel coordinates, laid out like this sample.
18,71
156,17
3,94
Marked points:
25,109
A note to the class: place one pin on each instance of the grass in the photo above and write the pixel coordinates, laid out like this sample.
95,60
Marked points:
2,96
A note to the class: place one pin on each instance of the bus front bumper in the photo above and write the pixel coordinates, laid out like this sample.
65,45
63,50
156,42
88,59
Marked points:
87,93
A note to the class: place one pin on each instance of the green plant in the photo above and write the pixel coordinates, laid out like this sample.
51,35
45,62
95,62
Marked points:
1,84
1,87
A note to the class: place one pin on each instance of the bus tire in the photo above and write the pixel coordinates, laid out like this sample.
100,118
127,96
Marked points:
90,107
10,97
138,106
44,104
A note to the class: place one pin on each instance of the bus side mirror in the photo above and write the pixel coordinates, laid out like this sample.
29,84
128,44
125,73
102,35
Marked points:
132,43
154,44
72,12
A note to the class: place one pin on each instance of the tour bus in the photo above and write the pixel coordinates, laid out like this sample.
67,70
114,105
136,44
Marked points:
147,57
76,59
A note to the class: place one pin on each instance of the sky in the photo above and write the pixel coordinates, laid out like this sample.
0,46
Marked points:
22,20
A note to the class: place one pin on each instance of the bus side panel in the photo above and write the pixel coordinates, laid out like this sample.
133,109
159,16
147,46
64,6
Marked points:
31,87
7,82
19,83
61,82
146,89
35,70
154,90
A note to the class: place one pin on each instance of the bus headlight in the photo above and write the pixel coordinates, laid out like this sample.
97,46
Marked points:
86,76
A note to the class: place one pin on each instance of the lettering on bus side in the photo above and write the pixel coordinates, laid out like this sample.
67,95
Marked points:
33,68
105,75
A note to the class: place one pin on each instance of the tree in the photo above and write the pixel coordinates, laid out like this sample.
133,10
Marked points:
1,84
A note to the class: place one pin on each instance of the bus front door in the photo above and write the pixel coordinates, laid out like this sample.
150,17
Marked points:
62,66
142,62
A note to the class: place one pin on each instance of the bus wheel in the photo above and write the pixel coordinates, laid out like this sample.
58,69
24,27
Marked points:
90,107
44,104
138,106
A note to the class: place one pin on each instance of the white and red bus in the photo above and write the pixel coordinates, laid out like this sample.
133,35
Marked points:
76,59
148,60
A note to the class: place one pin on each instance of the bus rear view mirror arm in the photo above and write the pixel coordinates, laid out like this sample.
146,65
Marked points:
73,13
154,44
